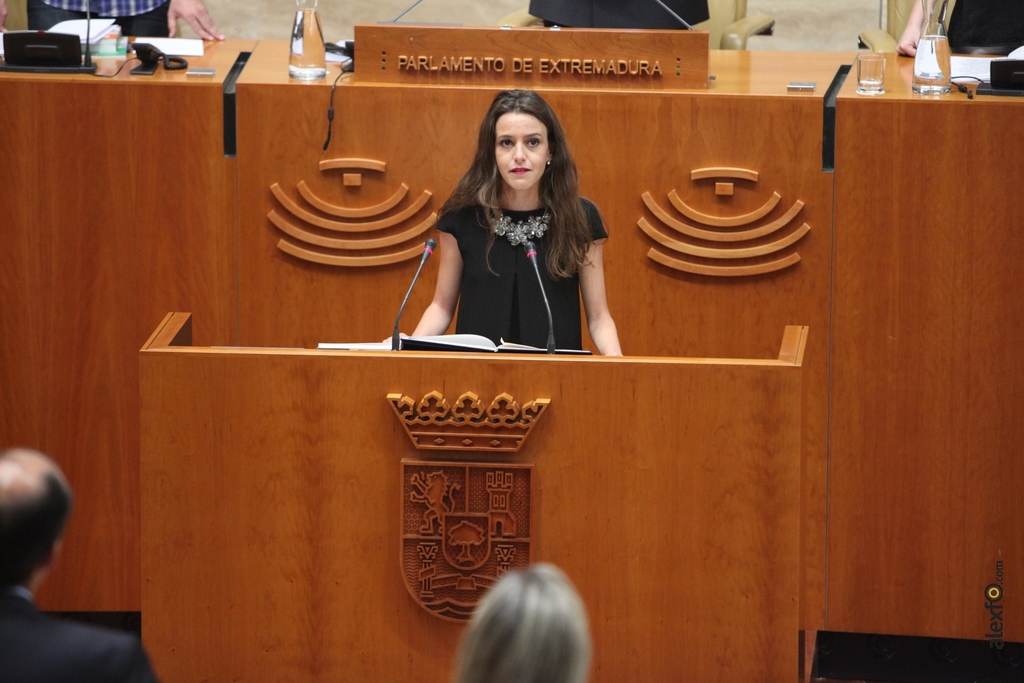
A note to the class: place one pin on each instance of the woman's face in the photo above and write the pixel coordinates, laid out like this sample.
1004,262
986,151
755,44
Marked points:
522,153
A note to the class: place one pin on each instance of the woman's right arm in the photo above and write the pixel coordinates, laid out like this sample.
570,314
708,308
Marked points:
441,310
912,33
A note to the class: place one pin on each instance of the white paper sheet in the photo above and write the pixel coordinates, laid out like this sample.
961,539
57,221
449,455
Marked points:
355,346
177,47
970,67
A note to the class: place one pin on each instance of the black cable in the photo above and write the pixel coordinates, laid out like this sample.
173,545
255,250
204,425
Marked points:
174,63
330,109
125,62
963,88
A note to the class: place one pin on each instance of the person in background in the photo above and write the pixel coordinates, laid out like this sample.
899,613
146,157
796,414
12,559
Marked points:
522,186
619,13
530,627
994,27
35,502
142,18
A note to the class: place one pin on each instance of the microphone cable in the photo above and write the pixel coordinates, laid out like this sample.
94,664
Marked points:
330,108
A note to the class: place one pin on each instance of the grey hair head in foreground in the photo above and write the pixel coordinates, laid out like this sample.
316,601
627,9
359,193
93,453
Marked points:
531,627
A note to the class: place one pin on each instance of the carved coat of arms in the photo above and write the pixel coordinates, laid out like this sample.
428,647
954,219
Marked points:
463,526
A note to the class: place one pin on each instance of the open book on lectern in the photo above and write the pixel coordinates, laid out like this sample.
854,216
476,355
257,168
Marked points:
463,343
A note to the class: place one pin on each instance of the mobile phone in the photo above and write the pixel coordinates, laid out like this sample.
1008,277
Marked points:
801,86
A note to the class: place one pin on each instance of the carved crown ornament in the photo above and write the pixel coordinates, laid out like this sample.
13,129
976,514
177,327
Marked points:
433,423
723,246
381,234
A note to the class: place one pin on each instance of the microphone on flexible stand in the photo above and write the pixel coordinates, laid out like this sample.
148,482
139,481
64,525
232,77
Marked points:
87,62
395,20
409,9
676,16
531,253
428,249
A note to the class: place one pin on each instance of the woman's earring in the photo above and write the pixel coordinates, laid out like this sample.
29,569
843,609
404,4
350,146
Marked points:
549,162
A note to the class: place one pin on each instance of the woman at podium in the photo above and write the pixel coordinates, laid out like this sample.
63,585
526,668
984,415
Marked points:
522,186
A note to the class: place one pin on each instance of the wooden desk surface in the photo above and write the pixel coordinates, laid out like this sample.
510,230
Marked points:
899,75
739,72
269,65
219,55
736,72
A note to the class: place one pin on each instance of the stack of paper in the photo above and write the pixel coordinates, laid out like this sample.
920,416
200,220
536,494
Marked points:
76,27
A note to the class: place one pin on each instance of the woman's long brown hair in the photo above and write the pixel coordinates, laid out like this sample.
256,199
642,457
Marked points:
568,237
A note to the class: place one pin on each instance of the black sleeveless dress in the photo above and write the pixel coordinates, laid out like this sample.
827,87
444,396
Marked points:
619,13
506,304
988,26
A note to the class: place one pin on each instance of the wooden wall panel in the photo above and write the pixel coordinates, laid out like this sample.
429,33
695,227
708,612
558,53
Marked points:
626,144
927,373
668,491
118,204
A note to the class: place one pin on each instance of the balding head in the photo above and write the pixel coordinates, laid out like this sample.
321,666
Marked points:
35,501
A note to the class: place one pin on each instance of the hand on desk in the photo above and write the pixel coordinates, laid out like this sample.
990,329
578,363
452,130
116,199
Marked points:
194,12
907,44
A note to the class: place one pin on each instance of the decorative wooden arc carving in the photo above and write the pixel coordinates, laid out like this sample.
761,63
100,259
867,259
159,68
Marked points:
723,172
724,221
346,212
338,226
366,164
334,243
723,192
330,250
712,236
433,424
726,271
705,252
463,525
349,261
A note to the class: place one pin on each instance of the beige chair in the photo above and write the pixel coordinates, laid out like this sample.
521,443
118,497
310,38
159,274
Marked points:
886,40
17,20
729,24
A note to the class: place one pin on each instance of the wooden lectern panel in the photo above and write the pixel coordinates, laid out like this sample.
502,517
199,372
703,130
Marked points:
117,203
927,380
668,490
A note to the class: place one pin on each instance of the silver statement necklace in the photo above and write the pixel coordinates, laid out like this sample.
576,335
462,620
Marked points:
518,232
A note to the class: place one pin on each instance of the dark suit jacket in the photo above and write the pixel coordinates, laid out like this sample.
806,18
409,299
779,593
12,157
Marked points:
619,13
36,648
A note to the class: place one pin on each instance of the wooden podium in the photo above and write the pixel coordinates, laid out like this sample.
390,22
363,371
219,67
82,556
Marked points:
272,507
